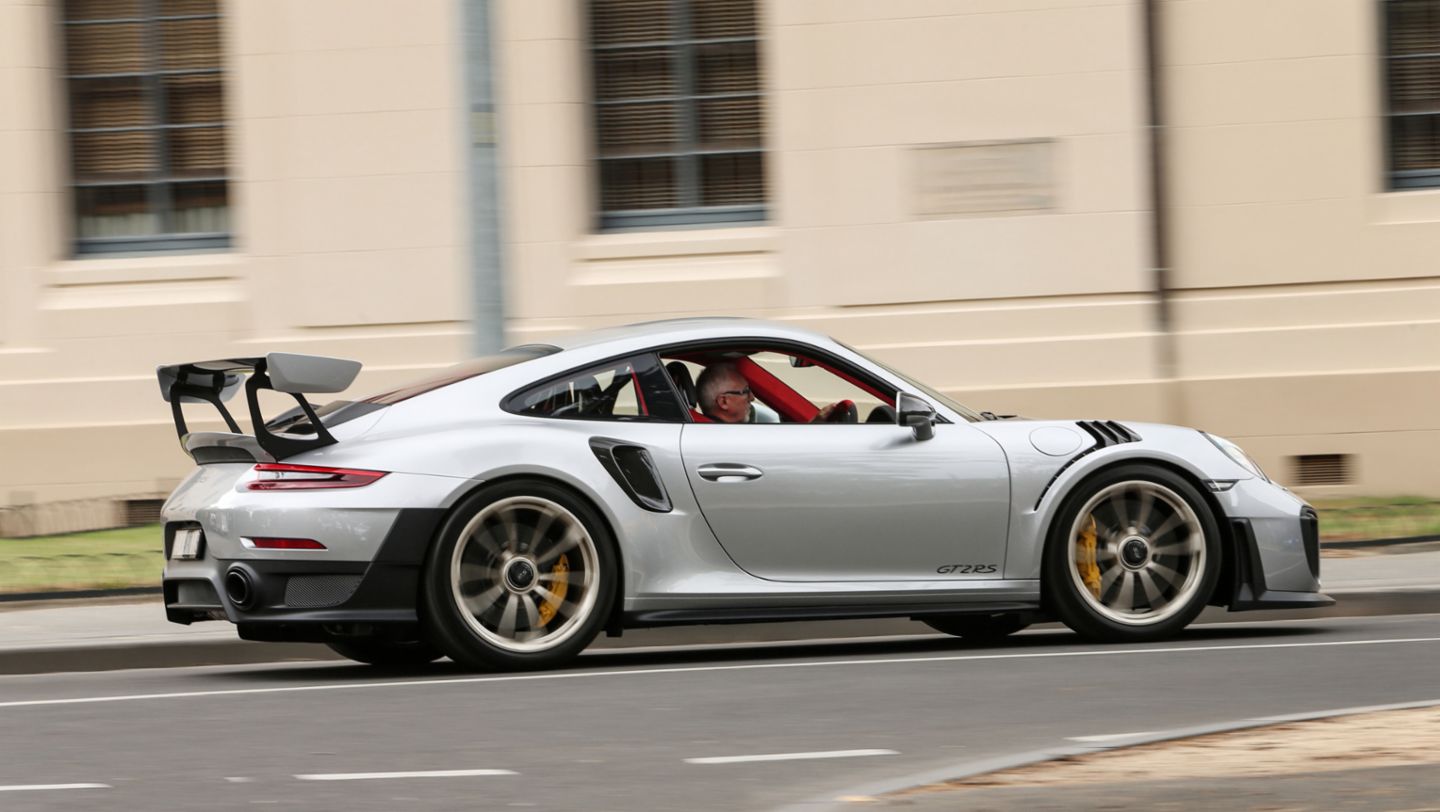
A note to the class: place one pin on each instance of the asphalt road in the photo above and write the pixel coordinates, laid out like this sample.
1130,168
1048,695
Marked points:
624,729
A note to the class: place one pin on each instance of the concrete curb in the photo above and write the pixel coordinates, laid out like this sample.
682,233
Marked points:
213,650
846,798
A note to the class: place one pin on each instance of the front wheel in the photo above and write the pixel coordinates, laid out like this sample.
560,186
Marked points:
522,576
1133,555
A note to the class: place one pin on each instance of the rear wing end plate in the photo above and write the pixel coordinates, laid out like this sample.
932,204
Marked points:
216,382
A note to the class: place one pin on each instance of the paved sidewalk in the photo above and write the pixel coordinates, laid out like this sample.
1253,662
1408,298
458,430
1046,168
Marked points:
118,633
1362,761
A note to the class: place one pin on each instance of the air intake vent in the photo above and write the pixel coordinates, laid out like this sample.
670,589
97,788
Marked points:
317,591
142,511
1108,432
1322,469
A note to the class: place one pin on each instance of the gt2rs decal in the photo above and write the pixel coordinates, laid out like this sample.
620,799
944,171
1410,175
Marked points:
967,569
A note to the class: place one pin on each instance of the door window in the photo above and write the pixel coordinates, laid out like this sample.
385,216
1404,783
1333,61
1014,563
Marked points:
760,385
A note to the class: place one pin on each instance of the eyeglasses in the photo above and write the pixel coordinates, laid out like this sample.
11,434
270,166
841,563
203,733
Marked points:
744,393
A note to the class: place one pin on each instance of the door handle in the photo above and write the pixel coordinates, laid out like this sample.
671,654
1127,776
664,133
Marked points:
728,472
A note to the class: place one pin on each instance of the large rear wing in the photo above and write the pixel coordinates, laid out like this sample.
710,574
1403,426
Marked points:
215,382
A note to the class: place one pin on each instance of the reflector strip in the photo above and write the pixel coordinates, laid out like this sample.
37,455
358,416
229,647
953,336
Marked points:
282,544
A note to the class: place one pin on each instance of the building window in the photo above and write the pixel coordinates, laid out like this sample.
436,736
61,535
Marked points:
1412,72
147,125
678,112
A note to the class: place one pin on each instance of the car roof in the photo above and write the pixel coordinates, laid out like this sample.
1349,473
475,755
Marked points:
679,330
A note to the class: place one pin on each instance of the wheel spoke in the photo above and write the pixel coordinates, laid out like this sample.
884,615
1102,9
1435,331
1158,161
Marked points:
1122,515
478,604
568,542
548,596
1169,526
1168,575
1147,504
506,627
537,535
1149,588
532,612
572,577
485,538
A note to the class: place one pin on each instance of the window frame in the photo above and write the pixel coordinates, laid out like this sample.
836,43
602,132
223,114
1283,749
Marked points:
1399,180
643,364
686,154
160,181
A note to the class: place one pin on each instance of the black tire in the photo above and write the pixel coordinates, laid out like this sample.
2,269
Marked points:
978,628
1100,613
466,634
386,653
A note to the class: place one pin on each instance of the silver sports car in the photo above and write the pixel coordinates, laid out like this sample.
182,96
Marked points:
506,510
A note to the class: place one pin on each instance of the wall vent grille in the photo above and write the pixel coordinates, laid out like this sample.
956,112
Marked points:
1322,469
142,511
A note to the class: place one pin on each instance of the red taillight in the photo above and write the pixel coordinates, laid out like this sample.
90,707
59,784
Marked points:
279,476
283,544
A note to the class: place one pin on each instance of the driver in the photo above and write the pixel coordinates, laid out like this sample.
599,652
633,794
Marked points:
725,396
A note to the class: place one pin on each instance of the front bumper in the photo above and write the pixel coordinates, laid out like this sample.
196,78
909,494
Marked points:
296,599
1275,563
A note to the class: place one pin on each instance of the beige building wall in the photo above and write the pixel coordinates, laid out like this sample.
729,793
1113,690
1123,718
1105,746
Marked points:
959,187
347,201
1308,309
1306,297
1013,309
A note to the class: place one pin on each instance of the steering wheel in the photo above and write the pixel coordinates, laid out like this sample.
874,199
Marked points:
845,412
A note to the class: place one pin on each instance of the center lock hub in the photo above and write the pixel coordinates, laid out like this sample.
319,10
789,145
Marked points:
520,575
1134,552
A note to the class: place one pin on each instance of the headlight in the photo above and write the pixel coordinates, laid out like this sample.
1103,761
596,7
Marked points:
1237,454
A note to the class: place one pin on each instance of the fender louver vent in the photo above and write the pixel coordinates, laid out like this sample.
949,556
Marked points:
1108,432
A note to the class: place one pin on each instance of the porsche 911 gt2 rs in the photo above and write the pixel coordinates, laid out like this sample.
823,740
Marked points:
507,510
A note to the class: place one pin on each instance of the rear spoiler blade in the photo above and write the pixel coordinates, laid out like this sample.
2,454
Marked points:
215,382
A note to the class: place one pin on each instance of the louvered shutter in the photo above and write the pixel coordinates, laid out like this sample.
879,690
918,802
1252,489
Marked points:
147,124
1413,72
678,111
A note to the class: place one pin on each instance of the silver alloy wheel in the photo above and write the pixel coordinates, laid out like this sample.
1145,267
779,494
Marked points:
517,561
1149,552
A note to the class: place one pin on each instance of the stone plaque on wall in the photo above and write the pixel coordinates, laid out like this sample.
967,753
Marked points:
989,177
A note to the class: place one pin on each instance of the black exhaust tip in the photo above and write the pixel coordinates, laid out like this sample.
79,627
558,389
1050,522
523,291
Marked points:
240,587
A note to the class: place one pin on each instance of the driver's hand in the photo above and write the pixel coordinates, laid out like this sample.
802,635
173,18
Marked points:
824,414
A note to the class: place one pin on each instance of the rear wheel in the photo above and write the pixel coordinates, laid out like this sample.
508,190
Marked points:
978,628
522,576
1132,555
386,653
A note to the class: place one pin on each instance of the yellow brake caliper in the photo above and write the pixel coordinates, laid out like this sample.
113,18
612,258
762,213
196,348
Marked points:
1085,558
560,586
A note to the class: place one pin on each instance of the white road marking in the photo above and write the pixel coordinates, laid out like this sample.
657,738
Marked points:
418,774
1110,737
639,672
239,780
791,756
47,787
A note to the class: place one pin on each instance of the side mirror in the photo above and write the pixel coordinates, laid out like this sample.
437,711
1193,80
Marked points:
915,412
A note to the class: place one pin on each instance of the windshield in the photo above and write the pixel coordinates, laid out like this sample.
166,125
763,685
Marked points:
964,411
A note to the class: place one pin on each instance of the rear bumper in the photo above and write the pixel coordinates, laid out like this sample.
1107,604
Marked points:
296,599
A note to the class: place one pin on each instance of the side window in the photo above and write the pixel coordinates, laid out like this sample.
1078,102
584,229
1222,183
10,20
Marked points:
626,389
752,385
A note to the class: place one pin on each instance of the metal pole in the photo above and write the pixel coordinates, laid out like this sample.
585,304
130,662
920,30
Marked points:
483,180
1160,221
